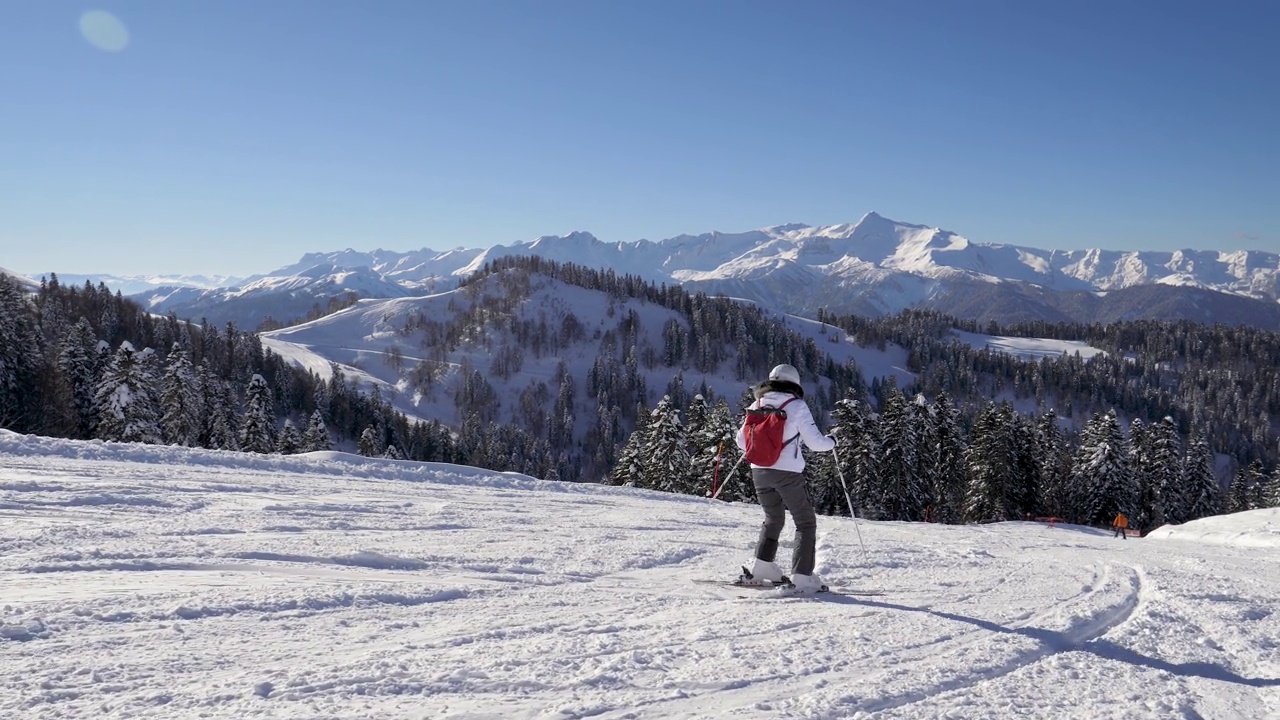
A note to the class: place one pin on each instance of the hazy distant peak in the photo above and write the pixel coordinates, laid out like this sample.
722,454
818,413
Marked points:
577,236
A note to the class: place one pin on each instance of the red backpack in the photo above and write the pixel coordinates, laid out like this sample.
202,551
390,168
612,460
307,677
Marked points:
763,429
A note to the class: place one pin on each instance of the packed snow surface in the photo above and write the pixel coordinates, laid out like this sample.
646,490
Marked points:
150,582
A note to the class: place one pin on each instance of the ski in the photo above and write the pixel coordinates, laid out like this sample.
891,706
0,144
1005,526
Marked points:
766,585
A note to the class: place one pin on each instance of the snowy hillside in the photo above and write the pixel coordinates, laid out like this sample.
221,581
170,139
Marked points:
21,279
874,266
154,582
1026,348
371,345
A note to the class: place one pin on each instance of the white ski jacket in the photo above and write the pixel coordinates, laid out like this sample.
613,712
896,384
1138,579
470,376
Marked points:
799,421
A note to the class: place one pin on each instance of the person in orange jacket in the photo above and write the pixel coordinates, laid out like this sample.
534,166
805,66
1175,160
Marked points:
1121,523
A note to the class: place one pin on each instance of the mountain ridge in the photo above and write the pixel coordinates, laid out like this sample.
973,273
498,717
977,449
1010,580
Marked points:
876,266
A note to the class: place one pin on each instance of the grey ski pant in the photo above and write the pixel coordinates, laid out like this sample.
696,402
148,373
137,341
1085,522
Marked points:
781,491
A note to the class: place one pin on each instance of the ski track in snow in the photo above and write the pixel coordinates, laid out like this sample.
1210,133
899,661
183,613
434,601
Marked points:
165,583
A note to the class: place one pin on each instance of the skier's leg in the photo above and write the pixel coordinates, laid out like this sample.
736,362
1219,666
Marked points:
795,494
775,517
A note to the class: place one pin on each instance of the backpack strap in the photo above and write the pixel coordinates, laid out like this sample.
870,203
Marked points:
793,437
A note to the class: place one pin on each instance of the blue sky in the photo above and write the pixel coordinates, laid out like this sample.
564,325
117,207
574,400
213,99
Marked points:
233,136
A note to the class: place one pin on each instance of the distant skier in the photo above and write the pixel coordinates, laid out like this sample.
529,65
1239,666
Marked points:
1121,523
779,410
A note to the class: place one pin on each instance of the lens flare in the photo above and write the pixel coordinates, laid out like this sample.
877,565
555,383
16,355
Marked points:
104,31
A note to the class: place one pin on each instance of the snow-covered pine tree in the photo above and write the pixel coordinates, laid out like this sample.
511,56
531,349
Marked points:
220,418
1238,491
629,468
1257,485
20,356
369,444
258,426
667,468
991,463
1163,470
1026,480
853,430
290,441
1102,473
1247,488
316,437
1271,494
949,470
391,453
1055,472
712,448
1140,453
1200,488
127,407
924,425
900,491
180,402
78,363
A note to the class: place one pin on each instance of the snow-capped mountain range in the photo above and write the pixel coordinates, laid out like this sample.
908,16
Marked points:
872,267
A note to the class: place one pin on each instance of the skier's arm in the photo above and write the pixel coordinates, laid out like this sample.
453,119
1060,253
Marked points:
741,437
809,432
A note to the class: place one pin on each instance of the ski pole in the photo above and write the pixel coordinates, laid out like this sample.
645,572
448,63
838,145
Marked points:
715,474
728,478
848,499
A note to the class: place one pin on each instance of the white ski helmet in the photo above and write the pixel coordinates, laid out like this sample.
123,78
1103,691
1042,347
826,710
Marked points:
785,373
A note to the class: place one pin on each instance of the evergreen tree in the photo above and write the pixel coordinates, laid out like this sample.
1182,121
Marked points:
629,467
78,363
949,478
712,451
20,357
1200,488
1055,470
1165,494
1026,486
924,428
901,494
1257,485
1140,454
257,427
290,442
1248,488
369,445
1238,492
1102,473
180,402
991,463
127,409
1271,494
220,418
668,466
316,438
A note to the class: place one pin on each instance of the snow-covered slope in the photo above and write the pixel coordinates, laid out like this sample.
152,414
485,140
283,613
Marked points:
1027,348
1252,528
371,345
874,266
22,280
154,582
